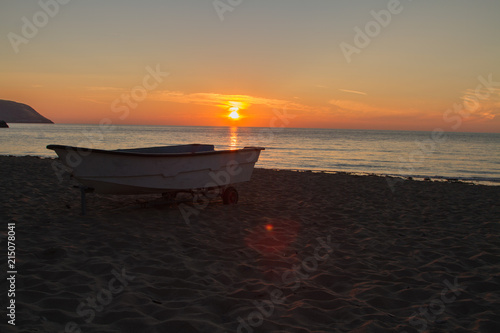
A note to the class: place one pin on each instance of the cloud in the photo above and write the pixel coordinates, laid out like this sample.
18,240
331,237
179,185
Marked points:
226,101
349,105
104,88
95,101
353,91
482,104
359,110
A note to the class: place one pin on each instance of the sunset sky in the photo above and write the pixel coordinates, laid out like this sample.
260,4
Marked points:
406,65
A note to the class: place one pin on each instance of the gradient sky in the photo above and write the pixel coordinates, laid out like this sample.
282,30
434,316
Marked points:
431,64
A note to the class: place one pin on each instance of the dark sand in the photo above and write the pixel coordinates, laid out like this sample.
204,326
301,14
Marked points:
300,252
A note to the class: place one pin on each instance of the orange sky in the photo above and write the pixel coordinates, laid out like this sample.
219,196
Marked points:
86,64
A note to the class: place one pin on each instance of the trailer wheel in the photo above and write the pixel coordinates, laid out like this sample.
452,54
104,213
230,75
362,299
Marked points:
230,196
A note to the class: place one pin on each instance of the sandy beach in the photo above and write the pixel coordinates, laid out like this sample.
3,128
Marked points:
300,252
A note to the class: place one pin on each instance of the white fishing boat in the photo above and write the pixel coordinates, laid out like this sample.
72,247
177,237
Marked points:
166,170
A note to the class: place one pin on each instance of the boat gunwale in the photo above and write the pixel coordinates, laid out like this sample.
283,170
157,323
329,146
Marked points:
126,153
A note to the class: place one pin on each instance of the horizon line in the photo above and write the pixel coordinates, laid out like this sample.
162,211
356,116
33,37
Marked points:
266,127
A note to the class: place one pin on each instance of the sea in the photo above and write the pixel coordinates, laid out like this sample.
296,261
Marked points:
438,155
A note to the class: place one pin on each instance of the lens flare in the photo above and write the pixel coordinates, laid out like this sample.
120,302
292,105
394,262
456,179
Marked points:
273,237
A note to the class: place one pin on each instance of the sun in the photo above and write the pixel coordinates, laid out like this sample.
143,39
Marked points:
234,113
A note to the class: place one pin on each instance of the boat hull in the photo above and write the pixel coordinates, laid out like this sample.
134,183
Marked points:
143,171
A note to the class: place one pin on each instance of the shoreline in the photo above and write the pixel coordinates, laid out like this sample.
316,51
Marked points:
401,177
436,178
398,178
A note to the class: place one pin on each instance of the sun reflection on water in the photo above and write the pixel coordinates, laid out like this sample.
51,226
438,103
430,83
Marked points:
233,137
